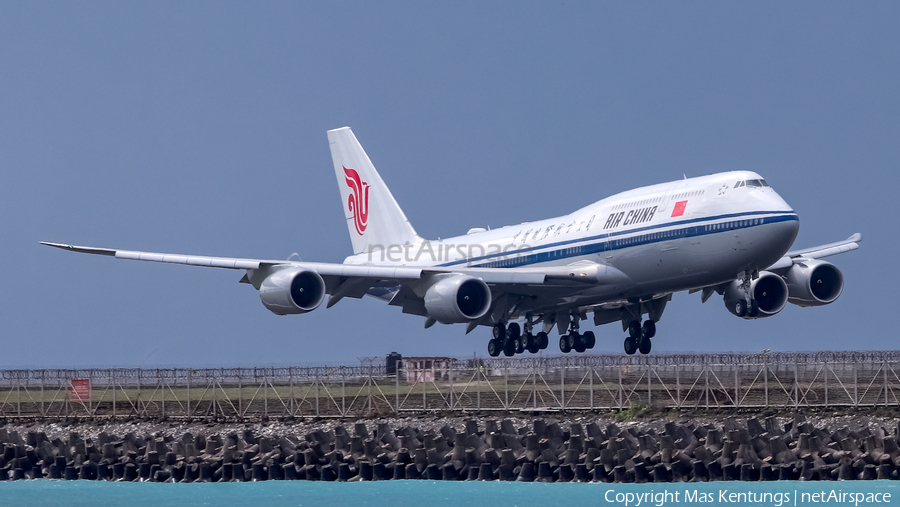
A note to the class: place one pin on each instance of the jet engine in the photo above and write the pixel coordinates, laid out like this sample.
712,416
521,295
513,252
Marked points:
769,292
291,291
457,299
814,283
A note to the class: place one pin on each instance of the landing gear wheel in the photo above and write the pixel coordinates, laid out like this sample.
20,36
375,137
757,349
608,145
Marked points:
645,345
630,345
499,331
740,308
494,348
564,344
543,340
514,334
649,329
634,329
754,308
579,343
589,340
573,339
509,347
532,343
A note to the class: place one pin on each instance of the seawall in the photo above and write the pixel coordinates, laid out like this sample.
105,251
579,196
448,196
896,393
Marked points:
547,449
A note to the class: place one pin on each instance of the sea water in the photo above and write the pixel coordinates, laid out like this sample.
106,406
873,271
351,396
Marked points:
45,492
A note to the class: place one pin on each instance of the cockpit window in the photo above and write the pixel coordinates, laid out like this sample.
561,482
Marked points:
751,183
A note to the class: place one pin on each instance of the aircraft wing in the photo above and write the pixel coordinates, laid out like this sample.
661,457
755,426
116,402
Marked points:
817,252
383,282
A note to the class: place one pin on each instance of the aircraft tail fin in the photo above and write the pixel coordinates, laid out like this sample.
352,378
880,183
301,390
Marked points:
373,224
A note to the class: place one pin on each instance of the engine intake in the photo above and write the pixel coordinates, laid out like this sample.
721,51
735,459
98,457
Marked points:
292,291
814,283
458,299
769,291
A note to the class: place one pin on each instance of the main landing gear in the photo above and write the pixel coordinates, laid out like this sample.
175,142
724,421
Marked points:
747,307
575,340
639,337
511,341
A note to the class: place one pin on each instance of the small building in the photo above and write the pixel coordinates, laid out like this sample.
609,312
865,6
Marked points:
426,369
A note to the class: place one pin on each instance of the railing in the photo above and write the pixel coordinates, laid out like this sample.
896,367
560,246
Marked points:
584,382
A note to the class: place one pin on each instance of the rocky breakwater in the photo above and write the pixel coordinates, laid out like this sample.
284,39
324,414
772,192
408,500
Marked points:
508,450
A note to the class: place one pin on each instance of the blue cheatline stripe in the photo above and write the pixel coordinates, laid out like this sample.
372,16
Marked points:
634,237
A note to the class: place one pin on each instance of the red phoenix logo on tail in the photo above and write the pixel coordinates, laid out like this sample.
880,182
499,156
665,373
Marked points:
359,200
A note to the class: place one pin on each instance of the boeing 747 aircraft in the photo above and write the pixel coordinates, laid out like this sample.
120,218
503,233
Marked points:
619,259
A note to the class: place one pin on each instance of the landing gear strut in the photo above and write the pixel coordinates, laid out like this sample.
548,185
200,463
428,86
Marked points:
575,340
748,307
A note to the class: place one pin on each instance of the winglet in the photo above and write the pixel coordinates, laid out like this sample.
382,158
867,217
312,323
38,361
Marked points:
82,249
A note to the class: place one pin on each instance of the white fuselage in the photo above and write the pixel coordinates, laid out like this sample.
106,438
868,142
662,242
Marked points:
662,238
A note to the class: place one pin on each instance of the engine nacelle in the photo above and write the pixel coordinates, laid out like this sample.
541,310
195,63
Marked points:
769,290
814,283
457,299
291,291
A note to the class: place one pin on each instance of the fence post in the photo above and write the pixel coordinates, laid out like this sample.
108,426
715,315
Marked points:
737,384
649,374
291,380
190,374
534,383
112,374
766,378
620,385
317,393
161,381
796,386
137,399
451,384
265,393
562,387
397,387
591,386
825,368
483,373
677,384
506,389
240,393
885,383
706,372
343,391
855,385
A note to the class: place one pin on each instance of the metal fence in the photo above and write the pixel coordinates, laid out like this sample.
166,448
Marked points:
584,382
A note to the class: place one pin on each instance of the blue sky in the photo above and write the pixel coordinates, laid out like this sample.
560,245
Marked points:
199,128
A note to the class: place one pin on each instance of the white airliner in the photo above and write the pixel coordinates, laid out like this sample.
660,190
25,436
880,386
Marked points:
619,259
